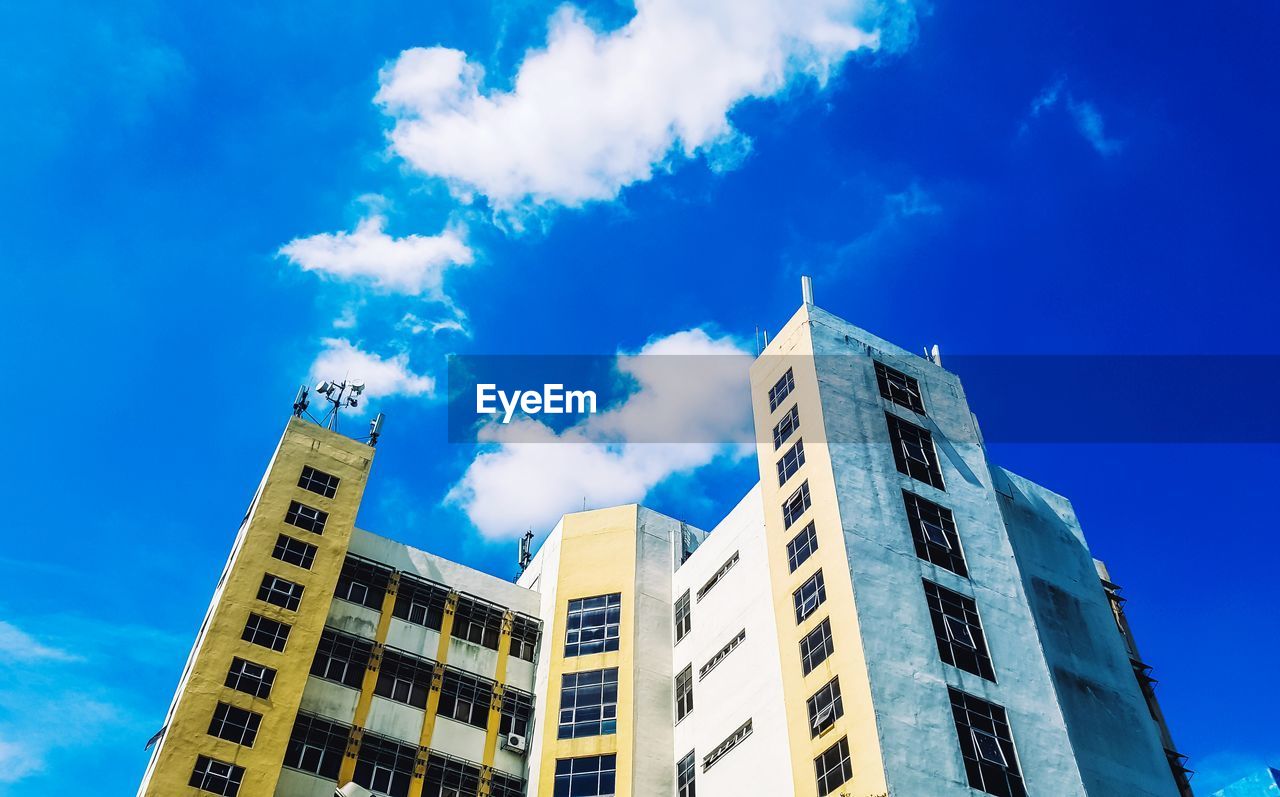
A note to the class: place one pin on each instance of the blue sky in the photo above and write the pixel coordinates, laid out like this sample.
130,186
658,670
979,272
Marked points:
1010,178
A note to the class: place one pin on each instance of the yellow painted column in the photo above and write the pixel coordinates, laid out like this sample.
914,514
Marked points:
370,680
495,706
433,698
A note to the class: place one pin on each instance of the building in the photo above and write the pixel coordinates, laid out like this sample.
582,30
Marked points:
885,613
1260,784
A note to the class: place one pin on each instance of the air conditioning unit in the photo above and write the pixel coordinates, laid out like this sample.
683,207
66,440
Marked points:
516,743
353,790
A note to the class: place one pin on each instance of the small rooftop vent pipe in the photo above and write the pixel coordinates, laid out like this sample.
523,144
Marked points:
806,289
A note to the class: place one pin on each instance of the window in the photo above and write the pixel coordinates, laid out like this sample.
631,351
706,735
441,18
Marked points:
809,597
306,517
278,592
899,388
478,622
816,646
796,505
502,785
790,462
589,776
525,632
722,654
316,746
295,552
593,625
341,657
319,482
786,427
385,766
802,546
235,724
420,602
987,745
589,703
217,777
404,678
825,707
933,529
781,389
684,693
362,581
449,777
722,749
685,771
833,767
958,630
465,698
517,711
719,574
252,679
684,616
266,632
913,451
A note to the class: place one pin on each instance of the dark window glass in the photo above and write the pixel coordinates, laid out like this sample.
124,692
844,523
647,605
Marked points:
252,679
341,657
685,772
593,624
316,746
913,451
796,505
279,592
683,616
503,785
589,776
404,678
958,630
295,552
235,724
589,703
266,632
809,596
825,707
786,427
465,698
216,777
718,575
317,481
517,711
420,602
790,462
933,530
722,654
833,768
899,388
306,517
802,546
816,646
384,765
721,750
362,581
781,389
478,622
684,693
525,633
986,744
447,777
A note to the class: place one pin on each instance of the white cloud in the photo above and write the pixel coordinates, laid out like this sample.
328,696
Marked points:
531,474
383,377
414,264
1085,116
592,112
18,760
18,645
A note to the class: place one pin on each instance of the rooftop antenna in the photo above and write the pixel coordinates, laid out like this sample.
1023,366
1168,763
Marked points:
526,550
935,356
300,402
340,395
375,429
806,289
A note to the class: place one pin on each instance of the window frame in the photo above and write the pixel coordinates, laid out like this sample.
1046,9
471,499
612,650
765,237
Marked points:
259,625
288,598
834,762
588,704
921,512
791,462
799,550
317,481
610,629
971,713
682,617
907,394
787,426
234,724
796,505
232,776
237,680
818,642
288,549
306,517
579,769
684,693
316,745
809,596
827,699
926,469
947,609
781,389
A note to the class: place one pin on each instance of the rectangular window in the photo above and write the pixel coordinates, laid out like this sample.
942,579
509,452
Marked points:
825,707
316,746
501,785
987,745
721,750
318,482
802,546
685,771
265,632
362,581
593,625
790,462
719,574
809,597
216,777
722,654
589,776
589,703
933,530
517,711
235,724
781,389
913,451
786,427
465,697
899,388
796,505
478,622
252,679
684,693
341,657
295,552
404,678
306,517
833,768
447,777
816,646
525,632
958,630
385,766
420,602
683,616
279,592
